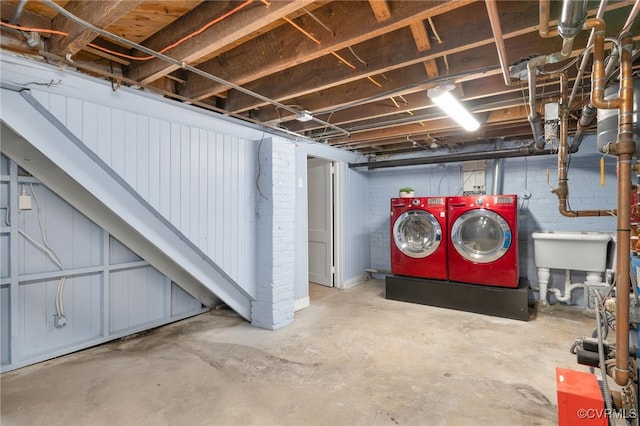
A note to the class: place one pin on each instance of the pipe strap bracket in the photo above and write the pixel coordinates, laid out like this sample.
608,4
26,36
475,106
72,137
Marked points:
625,147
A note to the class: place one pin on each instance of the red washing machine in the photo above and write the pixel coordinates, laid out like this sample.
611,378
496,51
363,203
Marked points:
483,240
418,237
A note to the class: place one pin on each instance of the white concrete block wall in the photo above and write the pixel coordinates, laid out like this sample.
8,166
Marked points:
274,304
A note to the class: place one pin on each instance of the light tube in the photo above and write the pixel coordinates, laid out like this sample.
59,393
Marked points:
452,107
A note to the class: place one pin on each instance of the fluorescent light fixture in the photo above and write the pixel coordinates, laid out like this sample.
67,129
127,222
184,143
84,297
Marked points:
442,97
304,115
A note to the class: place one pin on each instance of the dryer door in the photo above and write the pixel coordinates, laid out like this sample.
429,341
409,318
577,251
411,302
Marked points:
417,233
481,236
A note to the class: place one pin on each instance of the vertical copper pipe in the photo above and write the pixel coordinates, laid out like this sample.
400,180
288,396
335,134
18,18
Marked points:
543,27
624,149
563,147
562,191
585,58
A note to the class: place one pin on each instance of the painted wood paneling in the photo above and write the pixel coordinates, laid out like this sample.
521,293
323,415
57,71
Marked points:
181,302
75,239
82,304
5,268
102,276
199,179
120,254
355,227
5,324
137,298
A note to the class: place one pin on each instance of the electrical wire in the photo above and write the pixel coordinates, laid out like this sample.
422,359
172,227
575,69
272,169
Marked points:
29,29
61,10
353,52
374,82
347,63
322,24
6,216
433,28
302,30
260,169
180,41
141,58
49,251
603,370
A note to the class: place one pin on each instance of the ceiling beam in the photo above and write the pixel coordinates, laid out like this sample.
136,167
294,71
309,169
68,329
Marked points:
380,9
99,13
431,126
317,76
27,18
421,38
216,39
470,64
257,58
381,54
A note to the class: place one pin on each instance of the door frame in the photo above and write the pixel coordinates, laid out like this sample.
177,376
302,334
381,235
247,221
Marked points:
337,216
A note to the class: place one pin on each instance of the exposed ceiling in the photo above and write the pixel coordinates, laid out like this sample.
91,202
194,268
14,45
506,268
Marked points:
361,68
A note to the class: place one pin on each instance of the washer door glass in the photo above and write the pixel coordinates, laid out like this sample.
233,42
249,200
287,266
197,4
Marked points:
481,236
417,233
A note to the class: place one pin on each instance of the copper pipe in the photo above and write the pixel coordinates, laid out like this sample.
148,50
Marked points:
543,27
562,191
494,19
624,149
585,58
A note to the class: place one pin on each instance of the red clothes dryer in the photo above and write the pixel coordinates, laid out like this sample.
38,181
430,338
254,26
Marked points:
418,237
483,240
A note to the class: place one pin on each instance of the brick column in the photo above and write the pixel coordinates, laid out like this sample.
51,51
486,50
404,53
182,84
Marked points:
273,307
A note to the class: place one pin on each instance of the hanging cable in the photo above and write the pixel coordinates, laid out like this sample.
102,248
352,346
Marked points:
46,248
176,62
343,60
356,56
433,28
322,24
374,82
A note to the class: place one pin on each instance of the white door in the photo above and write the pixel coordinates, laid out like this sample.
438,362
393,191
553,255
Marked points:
320,204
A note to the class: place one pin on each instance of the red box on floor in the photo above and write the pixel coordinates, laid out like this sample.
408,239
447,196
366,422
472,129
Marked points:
580,400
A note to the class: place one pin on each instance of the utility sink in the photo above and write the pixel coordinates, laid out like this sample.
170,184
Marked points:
571,250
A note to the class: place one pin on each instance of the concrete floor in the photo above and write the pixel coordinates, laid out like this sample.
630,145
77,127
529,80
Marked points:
352,357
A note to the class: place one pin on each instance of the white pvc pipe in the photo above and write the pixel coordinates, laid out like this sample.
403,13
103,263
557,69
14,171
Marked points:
568,288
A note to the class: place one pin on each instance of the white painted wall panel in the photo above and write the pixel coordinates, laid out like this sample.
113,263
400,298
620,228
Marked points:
137,298
82,308
90,125
181,302
73,237
119,254
356,227
5,325
144,160
154,164
197,178
5,268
